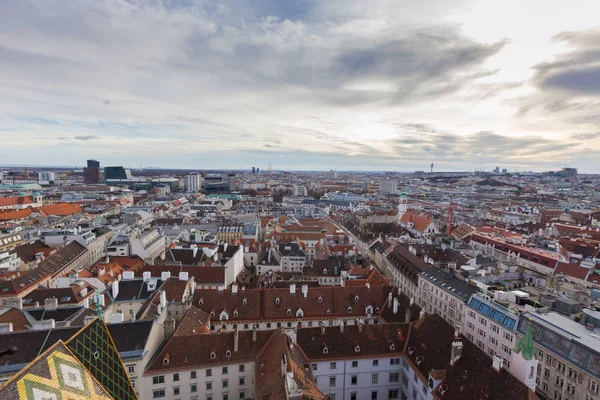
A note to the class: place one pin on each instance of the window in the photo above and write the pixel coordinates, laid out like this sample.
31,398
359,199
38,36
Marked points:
194,388
332,365
374,395
131,369
393,394
175,391
546,373
593,386
208,385
242,368
508,337
506,349
495,329
242,381
332,381
175,377
353,396
158,379
157,394
242,395
314,367
375,379
225,397
394,377
354,364
209,372
376,363
225,383
193,375
353,380
225,371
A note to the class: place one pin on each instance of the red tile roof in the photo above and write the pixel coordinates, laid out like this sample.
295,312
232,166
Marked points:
420,223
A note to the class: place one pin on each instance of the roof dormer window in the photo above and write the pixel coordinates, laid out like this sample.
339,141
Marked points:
277,300
392,346
165,361
328,311
228,353
212,314
356,298
201,302
325,350
245,301
320,299
419,360
235,313
213,355
376,310
289,311
356,348
349,310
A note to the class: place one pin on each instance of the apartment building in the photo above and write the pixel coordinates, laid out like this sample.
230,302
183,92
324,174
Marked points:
444,293
148,245
568,354
403,267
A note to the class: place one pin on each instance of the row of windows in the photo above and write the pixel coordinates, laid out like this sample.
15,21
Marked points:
156,380
393,377
161,393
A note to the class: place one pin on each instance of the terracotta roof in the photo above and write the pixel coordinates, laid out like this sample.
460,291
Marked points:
14,201
471,377
420,223
61,209
271,381
373,340
572,270
185,351
20,214
16,317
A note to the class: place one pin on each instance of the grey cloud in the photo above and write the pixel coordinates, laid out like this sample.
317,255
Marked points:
87,137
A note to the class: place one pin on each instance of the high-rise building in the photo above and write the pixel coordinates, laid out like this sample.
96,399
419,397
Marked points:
92,173
231,182
46,176
193,182
116,173
253,170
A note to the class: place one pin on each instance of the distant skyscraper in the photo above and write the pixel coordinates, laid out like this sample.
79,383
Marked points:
193,182
253,170
258,170
92,173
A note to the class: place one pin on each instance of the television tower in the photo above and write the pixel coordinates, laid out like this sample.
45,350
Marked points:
432,168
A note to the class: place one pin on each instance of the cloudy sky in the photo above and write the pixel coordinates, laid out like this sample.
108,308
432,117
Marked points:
301,84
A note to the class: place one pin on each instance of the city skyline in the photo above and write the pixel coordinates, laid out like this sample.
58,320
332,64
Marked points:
304,85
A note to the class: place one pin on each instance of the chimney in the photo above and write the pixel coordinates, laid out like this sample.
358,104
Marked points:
51,304
183,276
43,325
115,289
164,275
360,325
88,319
83,292
128,275
235,340
368,285
305,290
293,288
234,288
422,315
390,297
412,301
163,299
407,316
395,308
341,325
456,351
6,327
146,276
322,330
101,300
254,334
497,363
